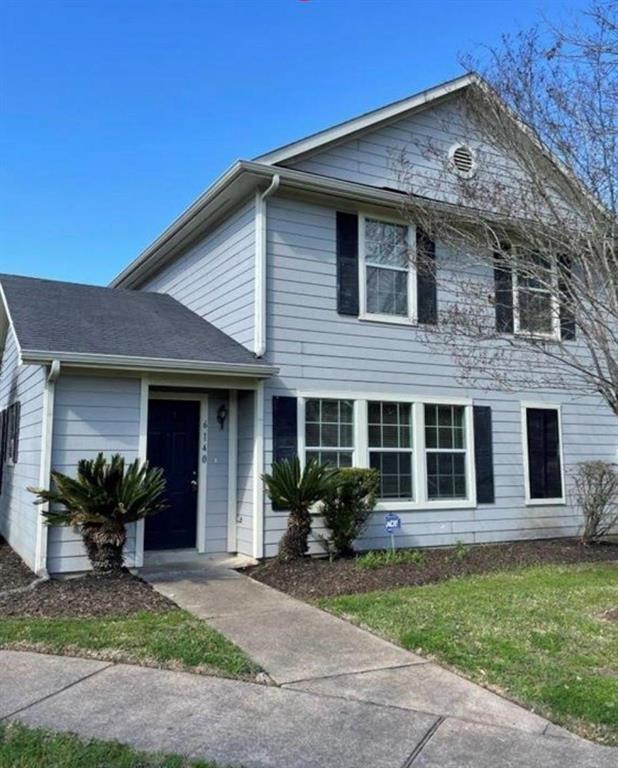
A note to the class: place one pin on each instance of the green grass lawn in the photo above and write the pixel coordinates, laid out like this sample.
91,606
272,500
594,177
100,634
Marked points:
538,635
22,747
174,639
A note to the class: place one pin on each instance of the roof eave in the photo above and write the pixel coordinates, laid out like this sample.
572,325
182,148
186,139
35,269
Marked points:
368,120
146,364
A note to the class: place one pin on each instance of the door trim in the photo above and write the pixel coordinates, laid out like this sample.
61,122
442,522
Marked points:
202,457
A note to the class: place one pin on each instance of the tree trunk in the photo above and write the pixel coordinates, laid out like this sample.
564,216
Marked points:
104,546
294,542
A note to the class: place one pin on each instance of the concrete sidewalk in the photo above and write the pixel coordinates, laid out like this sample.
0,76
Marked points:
259,726
304,648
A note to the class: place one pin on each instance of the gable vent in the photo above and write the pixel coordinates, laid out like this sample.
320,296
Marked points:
462,160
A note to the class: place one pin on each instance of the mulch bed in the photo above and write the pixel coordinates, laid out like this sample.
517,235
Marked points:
314,578
85,597
14,573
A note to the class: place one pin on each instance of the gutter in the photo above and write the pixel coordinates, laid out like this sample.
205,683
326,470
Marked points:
40,553
260,265
129,363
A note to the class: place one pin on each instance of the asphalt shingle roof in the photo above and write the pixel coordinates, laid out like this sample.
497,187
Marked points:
73,318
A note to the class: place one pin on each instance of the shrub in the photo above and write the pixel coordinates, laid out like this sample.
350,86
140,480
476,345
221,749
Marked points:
298,490
102,499
378,558
596,493
347,507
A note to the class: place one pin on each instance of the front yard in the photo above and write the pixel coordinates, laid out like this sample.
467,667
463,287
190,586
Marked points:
115,618
22,747
545,636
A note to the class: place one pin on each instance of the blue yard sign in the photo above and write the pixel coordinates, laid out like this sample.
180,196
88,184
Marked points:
392,522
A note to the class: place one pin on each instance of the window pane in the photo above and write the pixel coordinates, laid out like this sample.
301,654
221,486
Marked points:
312,434
386,243
446,475
450,432
330,427
387,291
395,474
535,311
390,425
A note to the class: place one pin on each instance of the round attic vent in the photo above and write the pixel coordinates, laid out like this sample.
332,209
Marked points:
462,160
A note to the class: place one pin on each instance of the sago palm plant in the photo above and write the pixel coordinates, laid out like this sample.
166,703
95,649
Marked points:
102,499
298,490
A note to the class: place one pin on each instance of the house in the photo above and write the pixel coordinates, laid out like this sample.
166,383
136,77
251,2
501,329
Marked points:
277,316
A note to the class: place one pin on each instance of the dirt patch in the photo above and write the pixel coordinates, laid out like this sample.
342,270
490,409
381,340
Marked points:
611,615
86,597
14,573
313,578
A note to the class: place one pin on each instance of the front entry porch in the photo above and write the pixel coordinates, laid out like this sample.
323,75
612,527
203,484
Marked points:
206,441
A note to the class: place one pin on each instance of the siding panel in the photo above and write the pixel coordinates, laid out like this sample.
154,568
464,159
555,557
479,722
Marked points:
18,515
215,277
317,349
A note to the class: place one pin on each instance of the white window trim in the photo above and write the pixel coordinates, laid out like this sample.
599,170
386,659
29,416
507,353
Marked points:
412,316
360,454
530,502
555,307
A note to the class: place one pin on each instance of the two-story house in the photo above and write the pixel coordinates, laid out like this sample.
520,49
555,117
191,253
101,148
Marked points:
280,315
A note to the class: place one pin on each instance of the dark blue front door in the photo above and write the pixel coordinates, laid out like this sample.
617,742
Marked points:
173,430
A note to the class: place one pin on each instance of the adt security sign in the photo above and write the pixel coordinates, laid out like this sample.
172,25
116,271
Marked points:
392,522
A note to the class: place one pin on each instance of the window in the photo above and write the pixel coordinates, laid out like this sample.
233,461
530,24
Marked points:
543,454
329,431
423,451
534,301
386,268
446,454
389,427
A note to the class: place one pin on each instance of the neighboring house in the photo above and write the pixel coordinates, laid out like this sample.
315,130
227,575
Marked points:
278,315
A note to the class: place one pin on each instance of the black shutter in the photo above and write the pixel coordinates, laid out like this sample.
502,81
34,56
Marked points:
2,445
347,264
503,281
16,420
483,454
567,314
426,285
285,428
544,470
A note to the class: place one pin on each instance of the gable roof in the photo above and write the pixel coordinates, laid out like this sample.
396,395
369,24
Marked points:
79,323
367,120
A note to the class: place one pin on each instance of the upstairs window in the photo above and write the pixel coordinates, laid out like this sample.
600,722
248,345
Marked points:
387,277
535,308
329,431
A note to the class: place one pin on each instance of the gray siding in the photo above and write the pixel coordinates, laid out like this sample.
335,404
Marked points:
18,515
91,414
411,153
317,349
244,517
215,277
217,474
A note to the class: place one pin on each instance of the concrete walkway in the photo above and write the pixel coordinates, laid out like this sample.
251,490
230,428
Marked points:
259,726
307,650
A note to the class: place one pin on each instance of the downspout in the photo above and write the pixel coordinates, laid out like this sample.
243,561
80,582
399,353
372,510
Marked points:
40,558
260,265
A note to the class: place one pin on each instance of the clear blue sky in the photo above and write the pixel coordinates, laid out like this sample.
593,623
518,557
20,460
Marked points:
115,115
